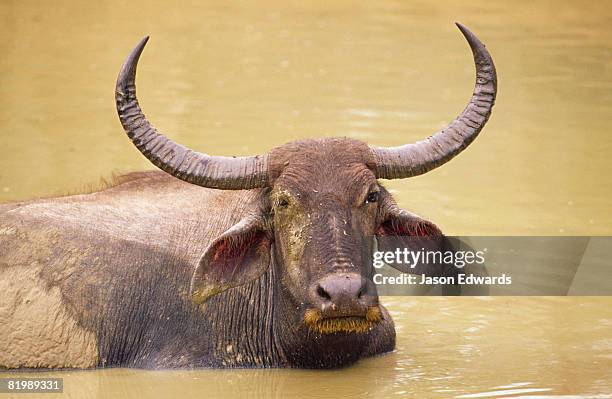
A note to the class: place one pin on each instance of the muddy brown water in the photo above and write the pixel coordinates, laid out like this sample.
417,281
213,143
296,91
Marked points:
238,78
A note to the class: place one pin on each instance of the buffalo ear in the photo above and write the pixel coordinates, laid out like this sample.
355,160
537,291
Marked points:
399,222
238,256
401,229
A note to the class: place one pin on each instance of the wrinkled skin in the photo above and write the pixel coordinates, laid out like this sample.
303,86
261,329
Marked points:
127,265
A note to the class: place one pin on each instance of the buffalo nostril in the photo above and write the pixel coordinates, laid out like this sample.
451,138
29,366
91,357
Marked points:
363,290
323,294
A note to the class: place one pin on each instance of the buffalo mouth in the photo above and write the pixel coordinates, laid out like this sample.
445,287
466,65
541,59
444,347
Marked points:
317,322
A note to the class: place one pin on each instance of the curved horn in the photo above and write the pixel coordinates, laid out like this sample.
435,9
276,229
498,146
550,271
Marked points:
421,157
193,167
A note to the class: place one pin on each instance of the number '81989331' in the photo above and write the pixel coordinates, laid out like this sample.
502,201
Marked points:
29,385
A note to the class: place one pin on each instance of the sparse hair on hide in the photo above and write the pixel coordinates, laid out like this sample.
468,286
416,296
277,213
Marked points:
114,180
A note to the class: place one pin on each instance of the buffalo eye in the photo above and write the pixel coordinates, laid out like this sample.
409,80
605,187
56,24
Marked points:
372,197
283,203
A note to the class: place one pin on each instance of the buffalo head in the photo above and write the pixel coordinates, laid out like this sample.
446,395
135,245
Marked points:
320,205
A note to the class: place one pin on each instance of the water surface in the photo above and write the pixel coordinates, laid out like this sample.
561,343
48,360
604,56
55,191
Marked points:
468,347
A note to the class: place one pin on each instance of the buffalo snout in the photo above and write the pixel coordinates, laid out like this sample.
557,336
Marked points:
344,295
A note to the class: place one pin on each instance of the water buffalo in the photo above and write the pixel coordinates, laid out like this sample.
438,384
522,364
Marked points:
117,277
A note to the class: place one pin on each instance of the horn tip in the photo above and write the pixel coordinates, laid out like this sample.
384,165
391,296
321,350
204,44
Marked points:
478,47
466,32
128,70
142,43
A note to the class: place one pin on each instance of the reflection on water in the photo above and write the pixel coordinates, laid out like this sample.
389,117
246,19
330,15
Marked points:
546,347
239,78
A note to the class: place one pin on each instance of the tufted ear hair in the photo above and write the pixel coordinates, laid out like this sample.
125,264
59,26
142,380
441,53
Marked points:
238,256
399,229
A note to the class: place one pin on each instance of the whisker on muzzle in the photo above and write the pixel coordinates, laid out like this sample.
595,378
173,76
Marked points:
314,319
